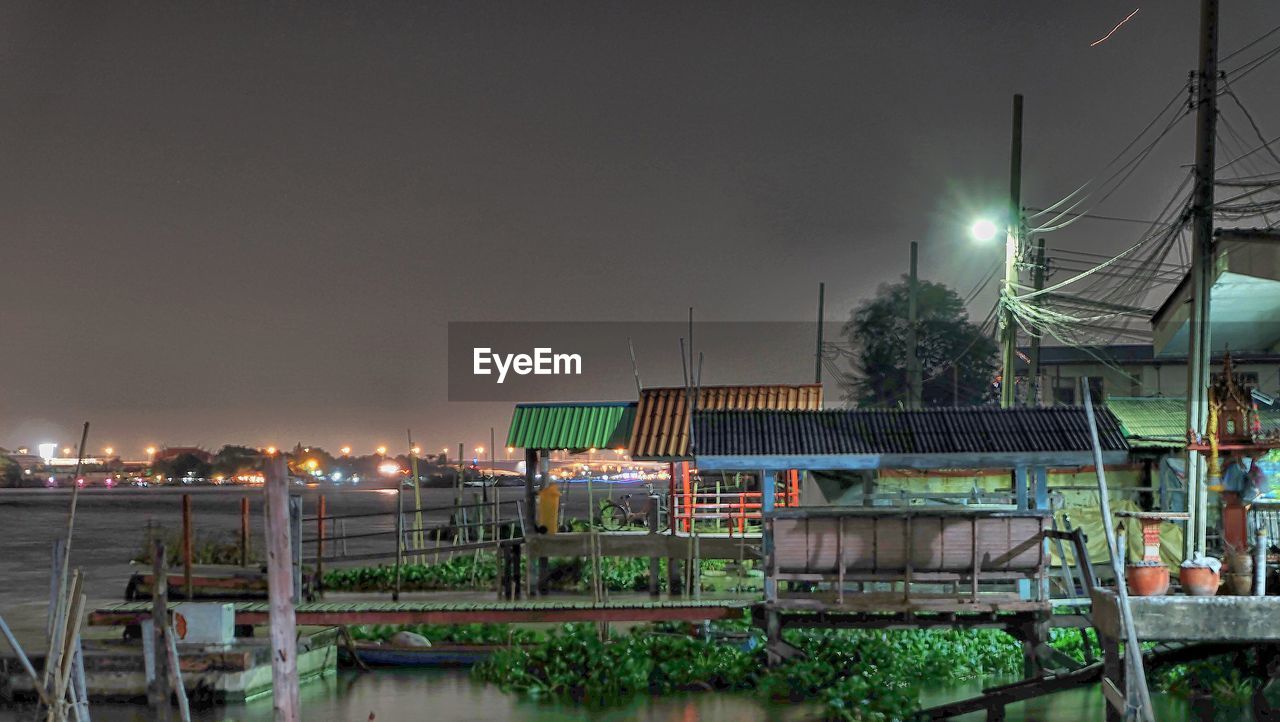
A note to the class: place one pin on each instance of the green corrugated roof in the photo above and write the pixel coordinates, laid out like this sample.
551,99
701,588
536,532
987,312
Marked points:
572,426
1162,421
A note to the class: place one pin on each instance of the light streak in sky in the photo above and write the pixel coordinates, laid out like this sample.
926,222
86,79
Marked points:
1103,39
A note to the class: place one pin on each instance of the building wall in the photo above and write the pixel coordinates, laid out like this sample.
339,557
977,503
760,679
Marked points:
1061,382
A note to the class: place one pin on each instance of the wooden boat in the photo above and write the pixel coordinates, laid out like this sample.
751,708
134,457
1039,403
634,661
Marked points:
374,654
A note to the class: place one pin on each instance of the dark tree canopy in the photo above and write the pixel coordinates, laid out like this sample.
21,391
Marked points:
958,362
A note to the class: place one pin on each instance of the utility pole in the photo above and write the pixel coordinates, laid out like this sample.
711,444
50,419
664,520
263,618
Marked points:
914,382
817,358
1033,372
1012,246
1199,346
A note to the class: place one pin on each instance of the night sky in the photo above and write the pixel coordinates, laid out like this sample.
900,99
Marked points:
251,222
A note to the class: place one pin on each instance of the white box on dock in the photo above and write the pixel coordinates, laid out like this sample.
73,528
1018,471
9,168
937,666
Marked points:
205,622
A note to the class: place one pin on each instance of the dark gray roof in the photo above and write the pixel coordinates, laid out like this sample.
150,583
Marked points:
967,430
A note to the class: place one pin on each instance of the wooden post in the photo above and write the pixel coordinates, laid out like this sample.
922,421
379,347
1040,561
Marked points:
767,494
244,531
320,547
530,518
1260,563
295,542
187,533
284,646
158,691
655,567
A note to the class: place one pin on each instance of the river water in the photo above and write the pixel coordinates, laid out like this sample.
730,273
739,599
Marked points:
112,524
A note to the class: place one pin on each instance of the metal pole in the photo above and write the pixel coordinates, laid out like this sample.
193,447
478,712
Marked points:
1136,685
1198,351
395,590
1013,240
817,361
914,380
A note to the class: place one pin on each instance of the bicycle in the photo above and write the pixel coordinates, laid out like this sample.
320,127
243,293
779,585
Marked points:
619,515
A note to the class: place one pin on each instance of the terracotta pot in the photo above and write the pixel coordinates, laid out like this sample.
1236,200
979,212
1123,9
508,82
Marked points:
1199,581
1147,580
1240,585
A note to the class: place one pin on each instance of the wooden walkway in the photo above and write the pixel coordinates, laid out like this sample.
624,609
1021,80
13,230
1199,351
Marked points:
341,613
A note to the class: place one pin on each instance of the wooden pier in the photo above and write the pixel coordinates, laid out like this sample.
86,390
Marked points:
347,613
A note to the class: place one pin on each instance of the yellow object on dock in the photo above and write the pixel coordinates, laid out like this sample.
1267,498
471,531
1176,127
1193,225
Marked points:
549,509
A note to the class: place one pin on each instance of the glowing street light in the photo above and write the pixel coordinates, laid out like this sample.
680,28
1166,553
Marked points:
346,450
417,450
151,451
382,451
66,451
108,451
983,230
271,451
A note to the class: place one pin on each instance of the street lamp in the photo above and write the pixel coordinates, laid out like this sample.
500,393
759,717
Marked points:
983,230
382,451
346,450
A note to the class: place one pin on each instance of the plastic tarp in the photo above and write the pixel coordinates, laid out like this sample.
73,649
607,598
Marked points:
1090,520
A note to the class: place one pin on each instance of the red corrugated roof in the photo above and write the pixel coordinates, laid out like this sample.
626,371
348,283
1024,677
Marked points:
661,430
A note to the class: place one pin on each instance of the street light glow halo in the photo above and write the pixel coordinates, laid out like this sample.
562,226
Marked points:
983,230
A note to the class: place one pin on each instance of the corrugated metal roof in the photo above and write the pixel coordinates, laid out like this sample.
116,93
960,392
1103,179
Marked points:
661,429
1159,422
972,430
573,426
1162,421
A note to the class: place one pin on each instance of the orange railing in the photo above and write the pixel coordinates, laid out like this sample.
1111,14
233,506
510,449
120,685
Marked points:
734,509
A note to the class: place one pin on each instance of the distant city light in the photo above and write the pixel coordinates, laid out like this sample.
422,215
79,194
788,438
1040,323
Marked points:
271,451
983,230
47,450
346,450
389,468
66,451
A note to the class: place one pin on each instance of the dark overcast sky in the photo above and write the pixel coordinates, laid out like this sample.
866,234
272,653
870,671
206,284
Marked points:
250,222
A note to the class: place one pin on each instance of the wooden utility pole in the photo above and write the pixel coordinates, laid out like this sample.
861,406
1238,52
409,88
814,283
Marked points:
284,645
1012,247
1199,345
817,357
914,380
188,540
1033,367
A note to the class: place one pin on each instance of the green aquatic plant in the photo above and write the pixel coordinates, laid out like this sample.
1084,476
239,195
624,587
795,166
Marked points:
863,675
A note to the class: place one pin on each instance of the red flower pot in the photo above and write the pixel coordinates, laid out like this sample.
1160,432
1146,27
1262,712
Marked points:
1147,579
1199,581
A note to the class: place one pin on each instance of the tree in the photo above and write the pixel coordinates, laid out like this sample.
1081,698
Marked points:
958,362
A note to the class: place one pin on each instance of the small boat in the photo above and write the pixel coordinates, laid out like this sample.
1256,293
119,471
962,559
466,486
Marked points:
375,654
